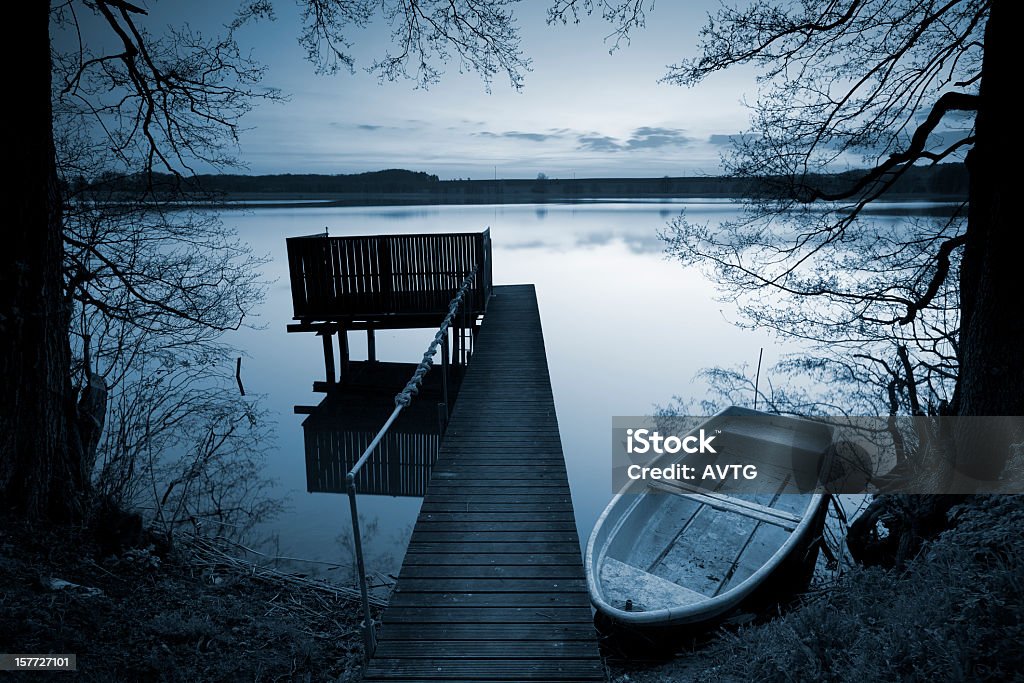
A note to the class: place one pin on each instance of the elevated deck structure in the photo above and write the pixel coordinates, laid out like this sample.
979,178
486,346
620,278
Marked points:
377,282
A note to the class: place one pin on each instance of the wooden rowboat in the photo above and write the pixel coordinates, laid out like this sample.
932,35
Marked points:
669,554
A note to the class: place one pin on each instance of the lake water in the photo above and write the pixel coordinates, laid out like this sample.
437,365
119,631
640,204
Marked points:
625,330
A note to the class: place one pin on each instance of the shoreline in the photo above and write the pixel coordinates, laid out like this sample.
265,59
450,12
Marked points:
258,200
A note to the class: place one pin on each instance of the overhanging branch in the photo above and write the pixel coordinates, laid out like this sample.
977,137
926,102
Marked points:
899,161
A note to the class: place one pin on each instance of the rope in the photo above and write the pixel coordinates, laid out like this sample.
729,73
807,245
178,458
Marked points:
412,387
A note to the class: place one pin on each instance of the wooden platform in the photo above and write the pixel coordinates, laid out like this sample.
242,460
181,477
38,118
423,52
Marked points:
383,279
492,586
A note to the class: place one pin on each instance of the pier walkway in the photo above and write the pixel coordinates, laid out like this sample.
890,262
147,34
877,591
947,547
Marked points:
492,586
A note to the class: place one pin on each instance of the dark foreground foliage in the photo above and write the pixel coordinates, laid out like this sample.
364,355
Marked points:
138,616
954,613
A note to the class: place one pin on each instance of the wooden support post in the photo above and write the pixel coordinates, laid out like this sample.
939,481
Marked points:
371,345
343,344
329,369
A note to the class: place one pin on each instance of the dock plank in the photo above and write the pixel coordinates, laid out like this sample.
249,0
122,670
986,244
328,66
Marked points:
491,571
484,615
483,559
477,632
490,649
459,669
492,586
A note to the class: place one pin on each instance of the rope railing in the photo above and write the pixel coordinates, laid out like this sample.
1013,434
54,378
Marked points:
412,387
402,400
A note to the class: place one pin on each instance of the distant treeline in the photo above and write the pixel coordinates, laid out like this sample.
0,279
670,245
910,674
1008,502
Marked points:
400,186
393,181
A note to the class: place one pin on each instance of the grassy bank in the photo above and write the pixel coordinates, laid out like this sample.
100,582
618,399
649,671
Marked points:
955,613
140,617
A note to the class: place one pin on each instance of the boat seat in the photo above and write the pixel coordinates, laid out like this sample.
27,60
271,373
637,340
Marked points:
622,582
786,520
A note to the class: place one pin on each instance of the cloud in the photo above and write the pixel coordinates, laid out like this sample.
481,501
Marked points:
598,143
530,244
533,137
653,138
645,137
954,116
726,140
951,135
345,125
517,135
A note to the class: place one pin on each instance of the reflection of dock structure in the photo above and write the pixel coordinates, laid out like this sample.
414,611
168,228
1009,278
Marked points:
337,431
492,585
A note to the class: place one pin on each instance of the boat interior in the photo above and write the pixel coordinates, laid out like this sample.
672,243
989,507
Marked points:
688,544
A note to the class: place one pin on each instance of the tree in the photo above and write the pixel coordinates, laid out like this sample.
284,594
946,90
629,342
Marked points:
169,103
925,310
153,284
40,450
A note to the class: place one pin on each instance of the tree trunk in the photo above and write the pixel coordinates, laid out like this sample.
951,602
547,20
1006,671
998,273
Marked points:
40,451
991,380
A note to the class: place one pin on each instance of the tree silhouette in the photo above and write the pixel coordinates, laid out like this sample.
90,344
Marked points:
924,310
153,104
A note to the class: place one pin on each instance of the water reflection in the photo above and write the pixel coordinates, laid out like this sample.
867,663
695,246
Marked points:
624,330
338,430
595,239
392,483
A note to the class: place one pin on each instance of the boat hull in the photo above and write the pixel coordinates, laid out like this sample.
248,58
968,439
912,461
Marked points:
667,559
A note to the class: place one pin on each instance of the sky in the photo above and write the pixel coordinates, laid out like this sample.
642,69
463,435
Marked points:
583,112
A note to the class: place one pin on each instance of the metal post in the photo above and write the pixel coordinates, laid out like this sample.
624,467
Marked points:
757,380
369,637
473,331
462,334
444,374
456,340
371,345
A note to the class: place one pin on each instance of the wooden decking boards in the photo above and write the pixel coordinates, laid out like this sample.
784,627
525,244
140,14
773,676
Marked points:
492,587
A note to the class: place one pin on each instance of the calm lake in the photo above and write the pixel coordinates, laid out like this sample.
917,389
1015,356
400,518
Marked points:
625,330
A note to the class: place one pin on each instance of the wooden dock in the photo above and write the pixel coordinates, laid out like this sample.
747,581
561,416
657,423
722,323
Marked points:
492,586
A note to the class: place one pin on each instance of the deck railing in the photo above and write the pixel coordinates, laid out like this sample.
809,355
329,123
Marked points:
402,399
372,277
